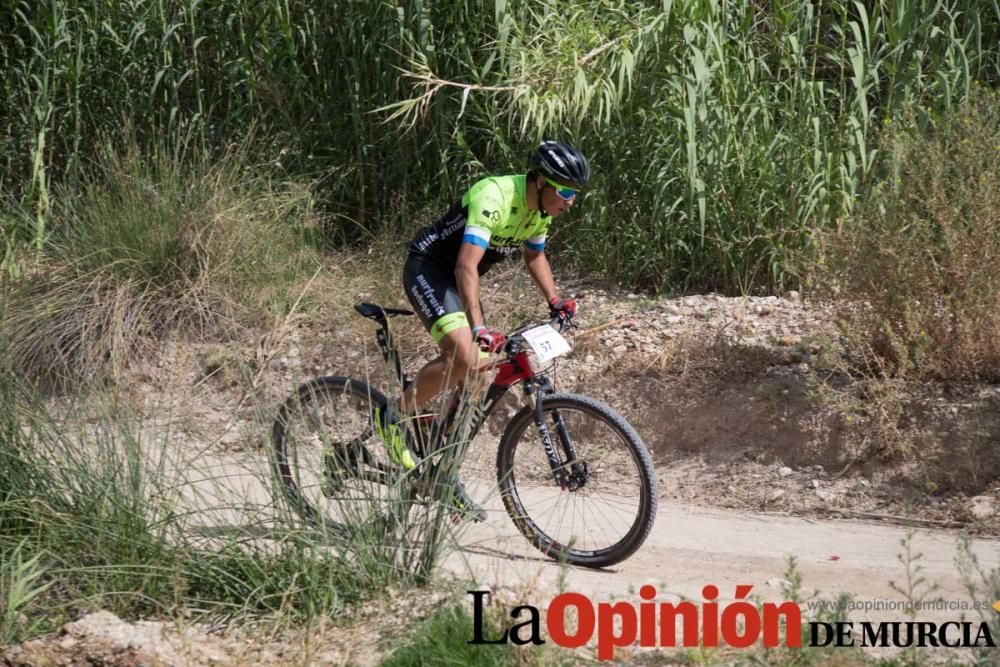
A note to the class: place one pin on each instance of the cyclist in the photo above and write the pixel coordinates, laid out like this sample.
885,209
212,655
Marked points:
497,216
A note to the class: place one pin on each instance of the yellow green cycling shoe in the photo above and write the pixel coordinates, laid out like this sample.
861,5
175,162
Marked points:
393,435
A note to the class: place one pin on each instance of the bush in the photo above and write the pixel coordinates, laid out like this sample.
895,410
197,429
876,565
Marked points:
721,133
150,243
443,639
917,269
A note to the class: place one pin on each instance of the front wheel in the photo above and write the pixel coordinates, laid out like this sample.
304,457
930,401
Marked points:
603,506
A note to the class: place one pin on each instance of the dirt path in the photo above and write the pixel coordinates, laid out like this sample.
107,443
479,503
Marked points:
729,431
689,547
719,389
228,493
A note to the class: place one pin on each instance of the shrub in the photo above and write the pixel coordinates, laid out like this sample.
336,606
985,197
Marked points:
443,639
917,269
96,513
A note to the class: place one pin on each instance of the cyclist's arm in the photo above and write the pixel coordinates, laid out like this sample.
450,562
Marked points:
467,280
541,272
485,213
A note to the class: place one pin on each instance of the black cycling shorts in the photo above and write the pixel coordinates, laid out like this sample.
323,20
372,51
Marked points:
433,292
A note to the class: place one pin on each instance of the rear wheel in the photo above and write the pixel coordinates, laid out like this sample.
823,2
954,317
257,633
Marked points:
328,457
606,505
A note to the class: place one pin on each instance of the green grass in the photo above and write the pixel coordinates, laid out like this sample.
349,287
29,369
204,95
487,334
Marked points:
147,244
443,639
21,580
97,512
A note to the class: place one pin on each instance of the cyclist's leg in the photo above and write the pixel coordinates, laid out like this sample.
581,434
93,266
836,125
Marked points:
458,359
433,293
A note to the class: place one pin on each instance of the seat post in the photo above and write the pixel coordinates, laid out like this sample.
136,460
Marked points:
385,343
389,352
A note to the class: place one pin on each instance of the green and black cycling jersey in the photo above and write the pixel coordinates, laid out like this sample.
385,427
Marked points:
493,215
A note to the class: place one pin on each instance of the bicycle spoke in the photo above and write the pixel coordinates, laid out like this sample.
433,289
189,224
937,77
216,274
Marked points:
606,507
330,460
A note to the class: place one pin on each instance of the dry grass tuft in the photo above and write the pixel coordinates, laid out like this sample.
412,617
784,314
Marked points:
154,244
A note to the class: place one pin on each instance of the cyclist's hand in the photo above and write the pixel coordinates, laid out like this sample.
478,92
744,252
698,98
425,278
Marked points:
564,309
489,341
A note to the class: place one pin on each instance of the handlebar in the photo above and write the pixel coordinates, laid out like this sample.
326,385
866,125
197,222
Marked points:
515,342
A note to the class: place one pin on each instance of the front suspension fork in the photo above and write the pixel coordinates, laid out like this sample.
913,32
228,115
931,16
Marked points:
535,392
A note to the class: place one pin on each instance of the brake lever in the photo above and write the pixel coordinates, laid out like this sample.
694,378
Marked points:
565,323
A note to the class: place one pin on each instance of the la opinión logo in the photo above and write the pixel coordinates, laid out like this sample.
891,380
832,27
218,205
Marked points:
572,620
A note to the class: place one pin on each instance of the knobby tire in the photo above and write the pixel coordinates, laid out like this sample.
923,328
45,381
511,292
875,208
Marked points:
618,463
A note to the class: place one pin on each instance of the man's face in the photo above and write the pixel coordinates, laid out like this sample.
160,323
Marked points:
552,202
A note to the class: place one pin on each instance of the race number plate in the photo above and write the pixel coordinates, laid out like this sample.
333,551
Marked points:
546,342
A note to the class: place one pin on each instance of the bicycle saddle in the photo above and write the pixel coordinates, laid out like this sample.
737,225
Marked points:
375,312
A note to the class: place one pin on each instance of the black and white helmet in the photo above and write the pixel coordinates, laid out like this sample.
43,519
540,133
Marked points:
561,162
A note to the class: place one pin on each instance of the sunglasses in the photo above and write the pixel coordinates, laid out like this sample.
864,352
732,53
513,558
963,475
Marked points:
561,190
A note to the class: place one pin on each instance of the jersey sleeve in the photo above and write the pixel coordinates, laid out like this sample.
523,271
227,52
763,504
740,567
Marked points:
486,207
536,238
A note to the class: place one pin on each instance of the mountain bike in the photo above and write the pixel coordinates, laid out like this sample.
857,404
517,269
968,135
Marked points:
574,476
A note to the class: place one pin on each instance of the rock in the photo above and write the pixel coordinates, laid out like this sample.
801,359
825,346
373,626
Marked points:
101,638
982,507
794,296
825,495
672,310
815,483
784,471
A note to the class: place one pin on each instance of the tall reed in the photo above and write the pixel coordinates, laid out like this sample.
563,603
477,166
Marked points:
723,135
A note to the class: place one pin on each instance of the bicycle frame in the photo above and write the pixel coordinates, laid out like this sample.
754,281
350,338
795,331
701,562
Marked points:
510,371
341,421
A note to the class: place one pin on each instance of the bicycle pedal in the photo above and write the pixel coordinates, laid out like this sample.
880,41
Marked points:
477,515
